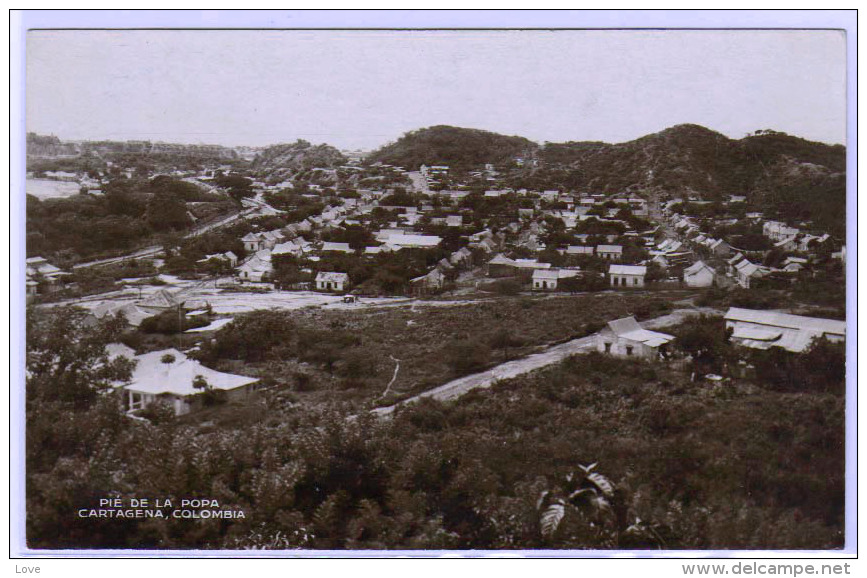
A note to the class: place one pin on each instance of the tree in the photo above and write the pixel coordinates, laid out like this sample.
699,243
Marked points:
706,340
72,418
201,383
166,212
66,357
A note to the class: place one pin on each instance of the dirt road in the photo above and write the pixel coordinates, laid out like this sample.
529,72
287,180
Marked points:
419,183
550,356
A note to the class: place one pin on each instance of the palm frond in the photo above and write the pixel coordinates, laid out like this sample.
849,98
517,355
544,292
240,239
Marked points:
541,499
551,519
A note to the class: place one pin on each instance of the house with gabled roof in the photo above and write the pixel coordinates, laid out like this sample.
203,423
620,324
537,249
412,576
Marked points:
161,300
329,281
626,338
170,376
252,242
580,250
745,271
720,248
548,279
257,268
627,276
609,252
699,274
429,283
40,275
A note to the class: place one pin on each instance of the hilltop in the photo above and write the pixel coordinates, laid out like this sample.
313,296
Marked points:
281,161
460,148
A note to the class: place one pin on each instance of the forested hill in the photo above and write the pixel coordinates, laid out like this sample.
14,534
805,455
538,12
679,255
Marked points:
792,178
460,148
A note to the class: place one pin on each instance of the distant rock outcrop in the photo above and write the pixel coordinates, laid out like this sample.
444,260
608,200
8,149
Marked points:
285,160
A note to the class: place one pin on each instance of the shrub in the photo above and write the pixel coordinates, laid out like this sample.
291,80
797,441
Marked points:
303,381
504,339
506,287
466,356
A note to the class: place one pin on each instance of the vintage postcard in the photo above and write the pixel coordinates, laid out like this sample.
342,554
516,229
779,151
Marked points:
385,290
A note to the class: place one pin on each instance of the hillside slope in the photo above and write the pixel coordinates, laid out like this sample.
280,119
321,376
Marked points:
786,175
461,149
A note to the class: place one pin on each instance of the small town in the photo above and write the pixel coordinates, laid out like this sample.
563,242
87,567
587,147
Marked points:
459,340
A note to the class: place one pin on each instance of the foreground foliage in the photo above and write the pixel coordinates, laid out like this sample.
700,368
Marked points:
676,465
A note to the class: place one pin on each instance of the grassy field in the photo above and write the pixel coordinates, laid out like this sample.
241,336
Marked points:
327,356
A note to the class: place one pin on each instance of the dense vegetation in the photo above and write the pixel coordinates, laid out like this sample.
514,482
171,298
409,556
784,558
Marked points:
129,212
679,464
462,149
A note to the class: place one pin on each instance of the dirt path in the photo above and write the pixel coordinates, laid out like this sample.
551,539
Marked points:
550,356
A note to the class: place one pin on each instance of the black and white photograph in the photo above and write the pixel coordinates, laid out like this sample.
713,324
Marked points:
437,289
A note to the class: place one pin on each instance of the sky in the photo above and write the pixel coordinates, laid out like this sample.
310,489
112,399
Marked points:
362,89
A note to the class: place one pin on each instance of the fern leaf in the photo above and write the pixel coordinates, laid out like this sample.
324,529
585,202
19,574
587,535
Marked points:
551,519
601,482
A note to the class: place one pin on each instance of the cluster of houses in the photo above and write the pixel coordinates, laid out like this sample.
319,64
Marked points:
755,329
42,277
739,266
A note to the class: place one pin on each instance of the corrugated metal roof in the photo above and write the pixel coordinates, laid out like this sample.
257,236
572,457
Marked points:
787,320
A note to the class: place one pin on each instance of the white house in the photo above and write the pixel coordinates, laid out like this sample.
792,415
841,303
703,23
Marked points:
627,275
745,271
257,268
766,329
252,243
698,274
625,338
547,279
778,231
327,281
169,375
610,252
42,275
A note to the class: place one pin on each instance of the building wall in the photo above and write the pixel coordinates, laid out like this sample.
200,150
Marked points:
545,284
610,344
329,285
627,281
703,278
